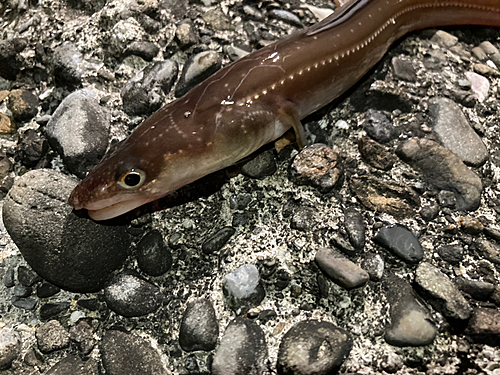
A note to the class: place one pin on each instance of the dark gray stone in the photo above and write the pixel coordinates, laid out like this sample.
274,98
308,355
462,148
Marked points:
454,132
403,69
286,16
9,278
374,264
75,366
83,335
453,254
218,240
263,165
124,353
144,93
71,252
484,326
304,219
144,49
199,327
197,69
31,148
153,256
10,347
444,170
79,131
68,65
313,347
440,291
51,337
242,350
401,242
410,320
379,127
129,296
340,269
355,227
478,290
53,309
488,250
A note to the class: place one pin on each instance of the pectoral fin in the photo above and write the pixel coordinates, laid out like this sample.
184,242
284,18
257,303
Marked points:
288,117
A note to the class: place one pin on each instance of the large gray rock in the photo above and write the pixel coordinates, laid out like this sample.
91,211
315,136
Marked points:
72,252
79,131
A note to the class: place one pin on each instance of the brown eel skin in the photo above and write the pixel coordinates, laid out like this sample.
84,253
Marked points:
258,98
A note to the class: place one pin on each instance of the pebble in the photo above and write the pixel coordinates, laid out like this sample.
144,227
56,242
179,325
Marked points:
340,269
196,70
484,326
403,69
375,154
242,350
317,166
444,170
69,67
374,264
128,295
429,212
441,292
10,347
26,277
304,219
23,104
447,199
28,304
387,196
6,126
124,353
71,252
478,290
199,328
79,131
144,49
73,365
492,233
286,16
22,291
378,127
11,60
217,20
453,254
31,148
313,347
186,35
470,225
401,242
83,335
488,250
355,227
243,287
51,336
480,85
153,256
410,320
46,290
145,92
444,39
263,165
9,279
218,240
53,309
455,133
343,245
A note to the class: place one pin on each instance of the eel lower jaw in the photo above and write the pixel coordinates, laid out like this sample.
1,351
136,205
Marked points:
115,210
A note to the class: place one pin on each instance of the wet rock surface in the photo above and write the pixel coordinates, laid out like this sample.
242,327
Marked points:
250,214
71,252
313,347
242,349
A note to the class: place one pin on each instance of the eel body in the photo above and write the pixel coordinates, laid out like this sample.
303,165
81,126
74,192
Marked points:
258,98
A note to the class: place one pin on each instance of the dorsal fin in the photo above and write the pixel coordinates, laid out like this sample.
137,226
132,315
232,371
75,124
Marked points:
340,15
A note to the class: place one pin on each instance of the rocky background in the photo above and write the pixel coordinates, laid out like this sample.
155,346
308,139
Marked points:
376,250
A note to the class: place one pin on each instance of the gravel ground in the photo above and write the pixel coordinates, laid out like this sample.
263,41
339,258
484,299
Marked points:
280,222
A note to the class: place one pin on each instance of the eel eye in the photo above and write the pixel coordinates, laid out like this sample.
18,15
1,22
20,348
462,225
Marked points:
132,179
